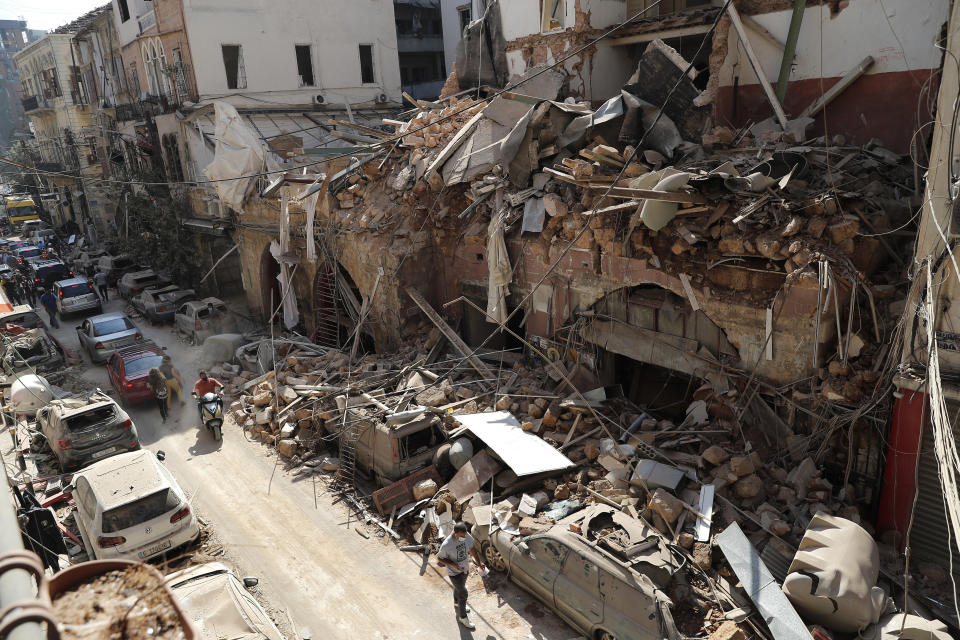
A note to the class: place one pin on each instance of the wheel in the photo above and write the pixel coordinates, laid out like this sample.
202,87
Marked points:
494,558
216,433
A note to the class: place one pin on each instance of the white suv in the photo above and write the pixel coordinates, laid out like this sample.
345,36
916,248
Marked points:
76,295
129,506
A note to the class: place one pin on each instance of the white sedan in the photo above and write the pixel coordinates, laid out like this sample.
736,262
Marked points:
130,507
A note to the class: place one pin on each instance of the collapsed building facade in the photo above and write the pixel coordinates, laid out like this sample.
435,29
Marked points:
644,211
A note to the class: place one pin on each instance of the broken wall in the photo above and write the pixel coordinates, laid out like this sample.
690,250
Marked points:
883,103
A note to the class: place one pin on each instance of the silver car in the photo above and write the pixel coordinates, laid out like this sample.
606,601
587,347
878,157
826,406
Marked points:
159,305
201,319
132,283
101,335
75,295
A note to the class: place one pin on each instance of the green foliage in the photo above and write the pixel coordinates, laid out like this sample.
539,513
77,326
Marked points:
156,237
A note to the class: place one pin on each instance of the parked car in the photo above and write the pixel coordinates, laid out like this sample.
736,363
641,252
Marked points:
602,571
7,272
114,267
75,295
201,319
86,262
33,350
24,254
130,506
219,604
132,283
45,272
129,370
23,315
159,305
83,430
101,335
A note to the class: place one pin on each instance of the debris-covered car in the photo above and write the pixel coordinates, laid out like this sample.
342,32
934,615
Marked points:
23,315
81,430
130,506
33,350
219,604
158,304
101,335
201,319
603,572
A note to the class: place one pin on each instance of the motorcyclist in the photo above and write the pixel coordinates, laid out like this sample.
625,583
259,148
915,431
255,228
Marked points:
204,386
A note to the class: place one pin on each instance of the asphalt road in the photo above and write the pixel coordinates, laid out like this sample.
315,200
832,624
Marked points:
310,560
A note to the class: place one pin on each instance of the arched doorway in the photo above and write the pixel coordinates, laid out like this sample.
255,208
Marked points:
269,285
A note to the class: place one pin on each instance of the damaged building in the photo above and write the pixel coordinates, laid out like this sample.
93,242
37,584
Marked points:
671,240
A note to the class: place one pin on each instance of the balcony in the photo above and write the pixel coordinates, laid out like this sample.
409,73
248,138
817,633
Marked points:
35,103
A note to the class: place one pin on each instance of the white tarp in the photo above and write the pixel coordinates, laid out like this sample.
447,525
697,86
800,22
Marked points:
525,453
500,272
239,152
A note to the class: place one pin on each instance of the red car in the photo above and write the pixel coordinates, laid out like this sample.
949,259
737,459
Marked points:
129,371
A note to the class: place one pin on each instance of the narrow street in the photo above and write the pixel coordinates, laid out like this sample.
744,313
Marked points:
310,560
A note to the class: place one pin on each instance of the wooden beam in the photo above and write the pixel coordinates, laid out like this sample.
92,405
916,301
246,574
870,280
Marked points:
838,88
450,334
663,196
755,63
653,35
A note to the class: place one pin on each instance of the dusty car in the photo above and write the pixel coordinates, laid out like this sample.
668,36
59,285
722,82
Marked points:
22,255
86,262
159,305
130,506
219,604
129,370
83,430
132,283
45,272
602,571
201,319
75,295
101,335
390,452
33,350
23,315
7,272
115,267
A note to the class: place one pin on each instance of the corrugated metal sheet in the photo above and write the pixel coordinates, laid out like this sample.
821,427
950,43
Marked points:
930,534
524,453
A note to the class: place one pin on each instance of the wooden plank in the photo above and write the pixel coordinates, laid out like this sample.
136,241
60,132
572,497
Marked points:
838,88
570,433
685,281
450,334
401,492
663,196
565,177
755,64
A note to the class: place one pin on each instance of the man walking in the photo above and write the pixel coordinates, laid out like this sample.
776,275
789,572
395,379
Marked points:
49,302
455,554
100,279
29,292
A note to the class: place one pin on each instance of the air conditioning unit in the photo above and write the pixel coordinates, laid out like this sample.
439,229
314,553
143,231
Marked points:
382,98
215,208
318,99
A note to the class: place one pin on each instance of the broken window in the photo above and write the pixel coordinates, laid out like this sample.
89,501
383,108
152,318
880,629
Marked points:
552,15
139,511
124,10
420,441
91,419
233,65
304,64
464,14
366,64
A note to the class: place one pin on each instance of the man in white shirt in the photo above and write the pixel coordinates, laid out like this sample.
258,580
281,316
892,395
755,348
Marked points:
455,554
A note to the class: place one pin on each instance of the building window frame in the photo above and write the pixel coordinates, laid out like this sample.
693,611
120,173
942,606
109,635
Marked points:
306,75
465,16
368,68
238,76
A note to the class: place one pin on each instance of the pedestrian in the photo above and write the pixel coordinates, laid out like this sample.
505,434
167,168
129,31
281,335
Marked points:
455,554
100,279
173,378
49,302
12,292
159,385
29,292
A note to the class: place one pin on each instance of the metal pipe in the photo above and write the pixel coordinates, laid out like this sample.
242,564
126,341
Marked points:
16,585
790,48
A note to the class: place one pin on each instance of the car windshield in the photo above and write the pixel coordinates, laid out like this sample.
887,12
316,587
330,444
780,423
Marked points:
139,365
51,269
114,325
205,311
91,419
29,253
74,290
133,513
173,296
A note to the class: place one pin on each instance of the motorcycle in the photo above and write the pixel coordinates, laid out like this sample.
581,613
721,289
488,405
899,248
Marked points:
211,412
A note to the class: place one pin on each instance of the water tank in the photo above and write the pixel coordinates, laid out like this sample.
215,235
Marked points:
28,393
460,452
